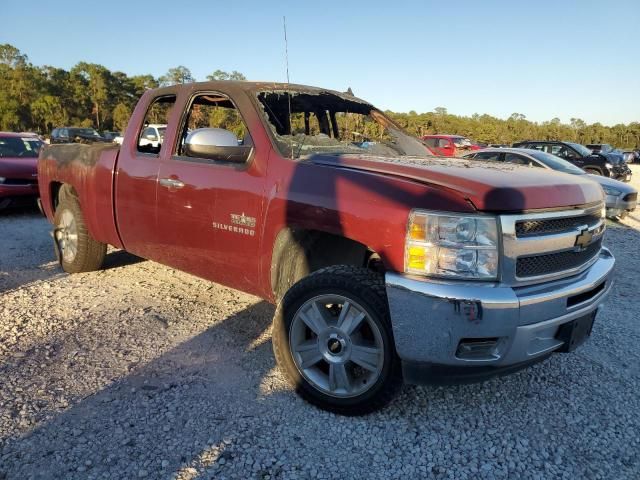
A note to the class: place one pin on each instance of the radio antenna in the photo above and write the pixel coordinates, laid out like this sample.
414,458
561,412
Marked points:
286,62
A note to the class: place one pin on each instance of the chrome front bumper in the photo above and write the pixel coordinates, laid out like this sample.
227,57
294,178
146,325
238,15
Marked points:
431,318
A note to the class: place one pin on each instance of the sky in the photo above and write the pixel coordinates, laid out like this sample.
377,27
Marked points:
544,59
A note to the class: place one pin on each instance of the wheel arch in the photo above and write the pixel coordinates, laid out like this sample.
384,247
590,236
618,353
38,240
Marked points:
297,252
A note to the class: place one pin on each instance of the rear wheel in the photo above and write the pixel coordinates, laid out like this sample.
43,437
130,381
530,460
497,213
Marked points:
78,251
332,337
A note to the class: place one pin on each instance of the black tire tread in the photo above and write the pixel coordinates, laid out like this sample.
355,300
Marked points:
363,282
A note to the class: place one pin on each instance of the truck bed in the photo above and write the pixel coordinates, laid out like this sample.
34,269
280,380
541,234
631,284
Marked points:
89,169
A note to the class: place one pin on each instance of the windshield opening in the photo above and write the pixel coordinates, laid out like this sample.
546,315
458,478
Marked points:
88,132
462,142
26,147
328,123
581,149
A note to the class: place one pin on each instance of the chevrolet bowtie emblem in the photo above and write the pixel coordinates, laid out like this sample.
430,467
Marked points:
584,239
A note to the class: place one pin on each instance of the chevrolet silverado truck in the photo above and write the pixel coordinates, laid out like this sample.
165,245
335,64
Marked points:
386,264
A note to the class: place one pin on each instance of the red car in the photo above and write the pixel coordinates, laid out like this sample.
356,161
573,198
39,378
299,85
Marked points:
450,145
18,167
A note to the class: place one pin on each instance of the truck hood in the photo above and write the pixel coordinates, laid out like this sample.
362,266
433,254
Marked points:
489,186
18,167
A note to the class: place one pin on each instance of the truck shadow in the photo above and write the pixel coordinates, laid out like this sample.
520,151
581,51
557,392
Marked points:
120,258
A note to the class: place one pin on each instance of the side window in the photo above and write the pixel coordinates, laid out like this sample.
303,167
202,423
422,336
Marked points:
562,151
213,130
517,159
489,156
431,142
156,118
443,142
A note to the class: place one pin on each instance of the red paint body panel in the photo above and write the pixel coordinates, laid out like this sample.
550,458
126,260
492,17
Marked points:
362,198
21,174
94,186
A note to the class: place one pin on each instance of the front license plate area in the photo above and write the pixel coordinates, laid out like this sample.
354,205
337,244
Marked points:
575,333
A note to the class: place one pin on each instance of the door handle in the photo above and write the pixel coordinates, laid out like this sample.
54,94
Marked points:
171,183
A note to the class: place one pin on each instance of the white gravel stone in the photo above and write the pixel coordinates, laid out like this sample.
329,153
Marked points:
143,371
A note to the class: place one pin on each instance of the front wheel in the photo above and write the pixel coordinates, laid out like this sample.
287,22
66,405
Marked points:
332,338
593,171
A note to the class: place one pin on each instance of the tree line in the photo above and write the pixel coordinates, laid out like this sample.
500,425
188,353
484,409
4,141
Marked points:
40,98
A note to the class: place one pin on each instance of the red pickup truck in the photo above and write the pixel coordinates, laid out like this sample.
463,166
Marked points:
386,263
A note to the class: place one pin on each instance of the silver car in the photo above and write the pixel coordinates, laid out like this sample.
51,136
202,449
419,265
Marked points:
621,198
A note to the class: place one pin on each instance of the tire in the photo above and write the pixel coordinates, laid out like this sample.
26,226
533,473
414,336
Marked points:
79,252
346,364
593,171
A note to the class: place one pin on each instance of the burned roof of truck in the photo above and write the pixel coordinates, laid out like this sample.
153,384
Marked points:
258,87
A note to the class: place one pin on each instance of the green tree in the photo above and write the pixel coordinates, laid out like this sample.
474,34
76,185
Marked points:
121,116
175,76
222,75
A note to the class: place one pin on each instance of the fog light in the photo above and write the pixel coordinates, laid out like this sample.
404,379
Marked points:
478,349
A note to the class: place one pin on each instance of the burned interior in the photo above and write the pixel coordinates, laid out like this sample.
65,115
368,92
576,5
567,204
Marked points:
305,123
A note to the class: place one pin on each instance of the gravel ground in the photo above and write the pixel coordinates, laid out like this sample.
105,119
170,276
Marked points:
141,371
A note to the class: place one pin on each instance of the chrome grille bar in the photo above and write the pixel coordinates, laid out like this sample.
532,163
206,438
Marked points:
557,232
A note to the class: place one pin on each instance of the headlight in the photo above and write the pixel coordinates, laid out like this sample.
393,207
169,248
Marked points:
608,165
611,191
455,246
2,179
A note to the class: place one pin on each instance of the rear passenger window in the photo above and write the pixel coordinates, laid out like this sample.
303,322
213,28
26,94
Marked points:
517,159
155,120
214,130
489,156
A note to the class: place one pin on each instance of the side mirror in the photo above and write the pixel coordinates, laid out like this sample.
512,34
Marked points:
216,144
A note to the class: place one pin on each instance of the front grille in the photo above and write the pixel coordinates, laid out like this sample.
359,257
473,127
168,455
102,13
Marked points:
550,263
555,225
630,197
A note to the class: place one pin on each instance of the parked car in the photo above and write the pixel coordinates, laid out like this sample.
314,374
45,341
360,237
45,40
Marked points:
620,197
449,145
386,263
18,173
111,136
628,157
152,135
610,165
76,135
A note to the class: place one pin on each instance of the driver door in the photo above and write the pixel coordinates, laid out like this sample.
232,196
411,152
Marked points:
209,210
